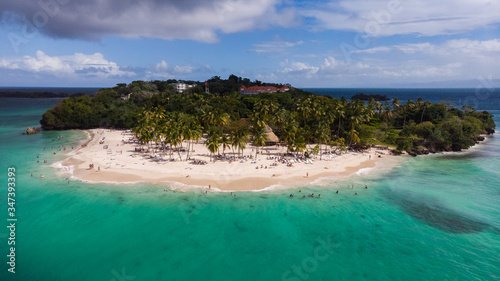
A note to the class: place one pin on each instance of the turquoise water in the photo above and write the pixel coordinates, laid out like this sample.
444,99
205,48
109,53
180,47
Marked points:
433,218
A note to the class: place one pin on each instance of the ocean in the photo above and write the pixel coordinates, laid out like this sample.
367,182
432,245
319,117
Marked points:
432,218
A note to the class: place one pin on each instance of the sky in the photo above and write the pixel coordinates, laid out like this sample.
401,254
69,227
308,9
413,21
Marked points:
341,43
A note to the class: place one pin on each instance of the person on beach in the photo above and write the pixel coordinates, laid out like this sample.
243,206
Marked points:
307,174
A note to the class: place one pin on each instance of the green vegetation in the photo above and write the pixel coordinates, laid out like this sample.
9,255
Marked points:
157,113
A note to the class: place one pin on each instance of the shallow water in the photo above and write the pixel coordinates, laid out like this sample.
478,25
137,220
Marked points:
433,218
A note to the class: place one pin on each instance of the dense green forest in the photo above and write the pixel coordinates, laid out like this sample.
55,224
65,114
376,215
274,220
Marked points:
158,113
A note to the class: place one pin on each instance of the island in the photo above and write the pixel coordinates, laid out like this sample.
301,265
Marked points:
150,131
363,97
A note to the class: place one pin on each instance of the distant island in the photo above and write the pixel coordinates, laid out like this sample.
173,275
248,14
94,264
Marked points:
171,114
363,97
18,94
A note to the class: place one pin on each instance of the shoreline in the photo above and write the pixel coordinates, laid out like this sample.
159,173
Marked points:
116,162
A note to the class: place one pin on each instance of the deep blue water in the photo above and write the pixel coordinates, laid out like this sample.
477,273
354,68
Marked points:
481,98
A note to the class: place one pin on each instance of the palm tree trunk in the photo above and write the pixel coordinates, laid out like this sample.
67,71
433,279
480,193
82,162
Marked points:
422,116
320,155
188,148
338,132
404,122
179,152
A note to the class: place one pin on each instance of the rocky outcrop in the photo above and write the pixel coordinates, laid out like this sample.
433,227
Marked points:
478,139
396,152
31,131
419,150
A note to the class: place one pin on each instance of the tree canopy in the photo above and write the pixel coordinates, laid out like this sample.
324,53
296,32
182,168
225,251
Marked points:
156,111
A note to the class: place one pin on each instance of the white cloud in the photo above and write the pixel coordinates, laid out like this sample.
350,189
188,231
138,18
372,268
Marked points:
276,46
465,47
164,71
391,17
405,63
79,64
199,20
300,69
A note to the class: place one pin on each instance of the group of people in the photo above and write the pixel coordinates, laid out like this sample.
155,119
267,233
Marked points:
199,162
319,195
303,196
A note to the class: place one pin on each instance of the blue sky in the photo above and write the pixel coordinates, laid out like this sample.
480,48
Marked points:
346,43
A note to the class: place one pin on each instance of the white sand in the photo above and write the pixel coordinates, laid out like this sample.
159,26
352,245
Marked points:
120,163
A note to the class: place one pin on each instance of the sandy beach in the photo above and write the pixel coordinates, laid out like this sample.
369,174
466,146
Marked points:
115,159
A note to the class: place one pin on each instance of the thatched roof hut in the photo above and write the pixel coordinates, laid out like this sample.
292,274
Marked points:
271,137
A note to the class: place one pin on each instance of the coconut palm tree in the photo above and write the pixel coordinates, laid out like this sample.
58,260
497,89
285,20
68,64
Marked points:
221,118
213,141
289,133
240,139
304,108
387,114
395,104
409,106
225,142
145,129
259,138
323,135
425,105
263,110
299,144
192,131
